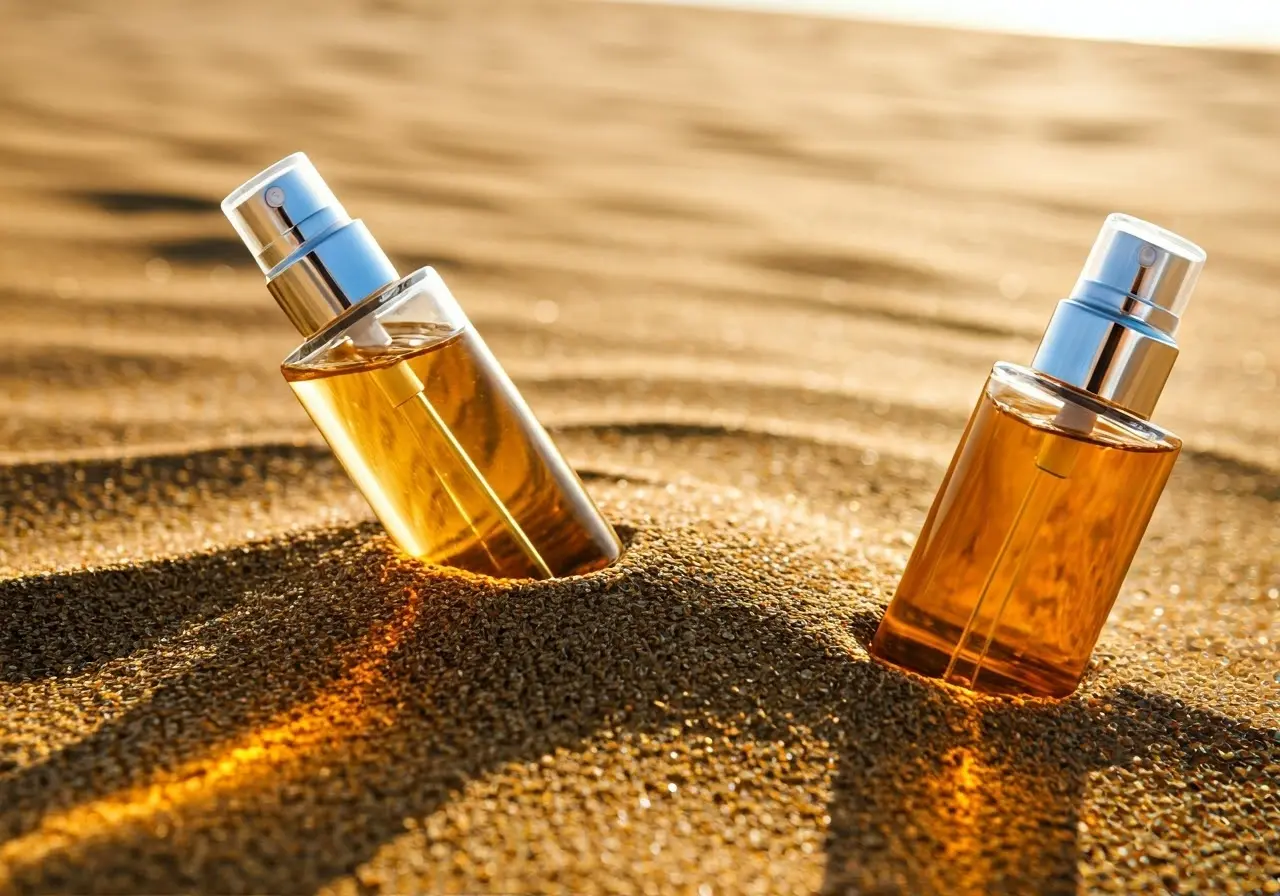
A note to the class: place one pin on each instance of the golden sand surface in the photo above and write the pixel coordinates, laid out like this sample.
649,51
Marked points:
752,271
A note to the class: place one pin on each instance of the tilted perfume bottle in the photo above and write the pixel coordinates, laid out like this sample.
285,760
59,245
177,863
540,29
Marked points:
409,397
1048,495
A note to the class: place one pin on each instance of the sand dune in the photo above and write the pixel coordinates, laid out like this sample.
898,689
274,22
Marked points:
752,271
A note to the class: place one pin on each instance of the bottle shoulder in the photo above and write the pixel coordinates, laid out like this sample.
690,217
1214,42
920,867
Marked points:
387,346
1046,403
419,303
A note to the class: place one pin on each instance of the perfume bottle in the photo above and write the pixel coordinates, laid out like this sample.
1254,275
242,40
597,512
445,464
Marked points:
409,397
1053,484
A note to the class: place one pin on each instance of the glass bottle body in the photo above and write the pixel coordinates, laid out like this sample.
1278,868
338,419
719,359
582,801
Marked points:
1029,539
440,442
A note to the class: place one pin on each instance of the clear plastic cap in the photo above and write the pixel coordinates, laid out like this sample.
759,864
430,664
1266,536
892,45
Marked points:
282,207
1140,260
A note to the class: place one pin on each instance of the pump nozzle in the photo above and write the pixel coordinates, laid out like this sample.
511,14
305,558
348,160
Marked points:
1114,335
318,261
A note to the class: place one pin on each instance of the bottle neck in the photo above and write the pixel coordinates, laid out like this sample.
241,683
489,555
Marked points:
328,274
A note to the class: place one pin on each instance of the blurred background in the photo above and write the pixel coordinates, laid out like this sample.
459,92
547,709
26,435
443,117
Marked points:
647,210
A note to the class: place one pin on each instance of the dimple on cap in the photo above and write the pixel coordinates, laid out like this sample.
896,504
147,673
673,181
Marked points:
282,207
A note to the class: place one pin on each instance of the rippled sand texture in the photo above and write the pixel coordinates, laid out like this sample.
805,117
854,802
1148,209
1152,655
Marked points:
753,271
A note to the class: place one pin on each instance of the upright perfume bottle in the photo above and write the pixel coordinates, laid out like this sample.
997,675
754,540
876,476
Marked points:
1049,493
409,397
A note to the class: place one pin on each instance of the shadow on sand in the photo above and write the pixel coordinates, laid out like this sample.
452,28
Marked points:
321,693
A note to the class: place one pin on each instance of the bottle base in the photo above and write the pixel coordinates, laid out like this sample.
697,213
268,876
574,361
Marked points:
497,558
1001,674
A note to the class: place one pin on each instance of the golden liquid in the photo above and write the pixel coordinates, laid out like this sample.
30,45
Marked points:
1024,551
449,456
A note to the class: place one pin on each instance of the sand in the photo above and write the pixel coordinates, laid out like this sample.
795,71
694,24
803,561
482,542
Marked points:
752,271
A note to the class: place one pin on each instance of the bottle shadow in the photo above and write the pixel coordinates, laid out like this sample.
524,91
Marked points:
991,798
333,692
61,624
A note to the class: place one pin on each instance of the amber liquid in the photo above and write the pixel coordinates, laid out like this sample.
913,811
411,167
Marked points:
450,458
1025,549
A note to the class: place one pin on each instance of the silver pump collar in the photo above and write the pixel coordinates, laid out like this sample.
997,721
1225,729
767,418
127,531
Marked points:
317,260
1114,335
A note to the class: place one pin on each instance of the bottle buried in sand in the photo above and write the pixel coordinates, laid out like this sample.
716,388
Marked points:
410,398
1052,486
